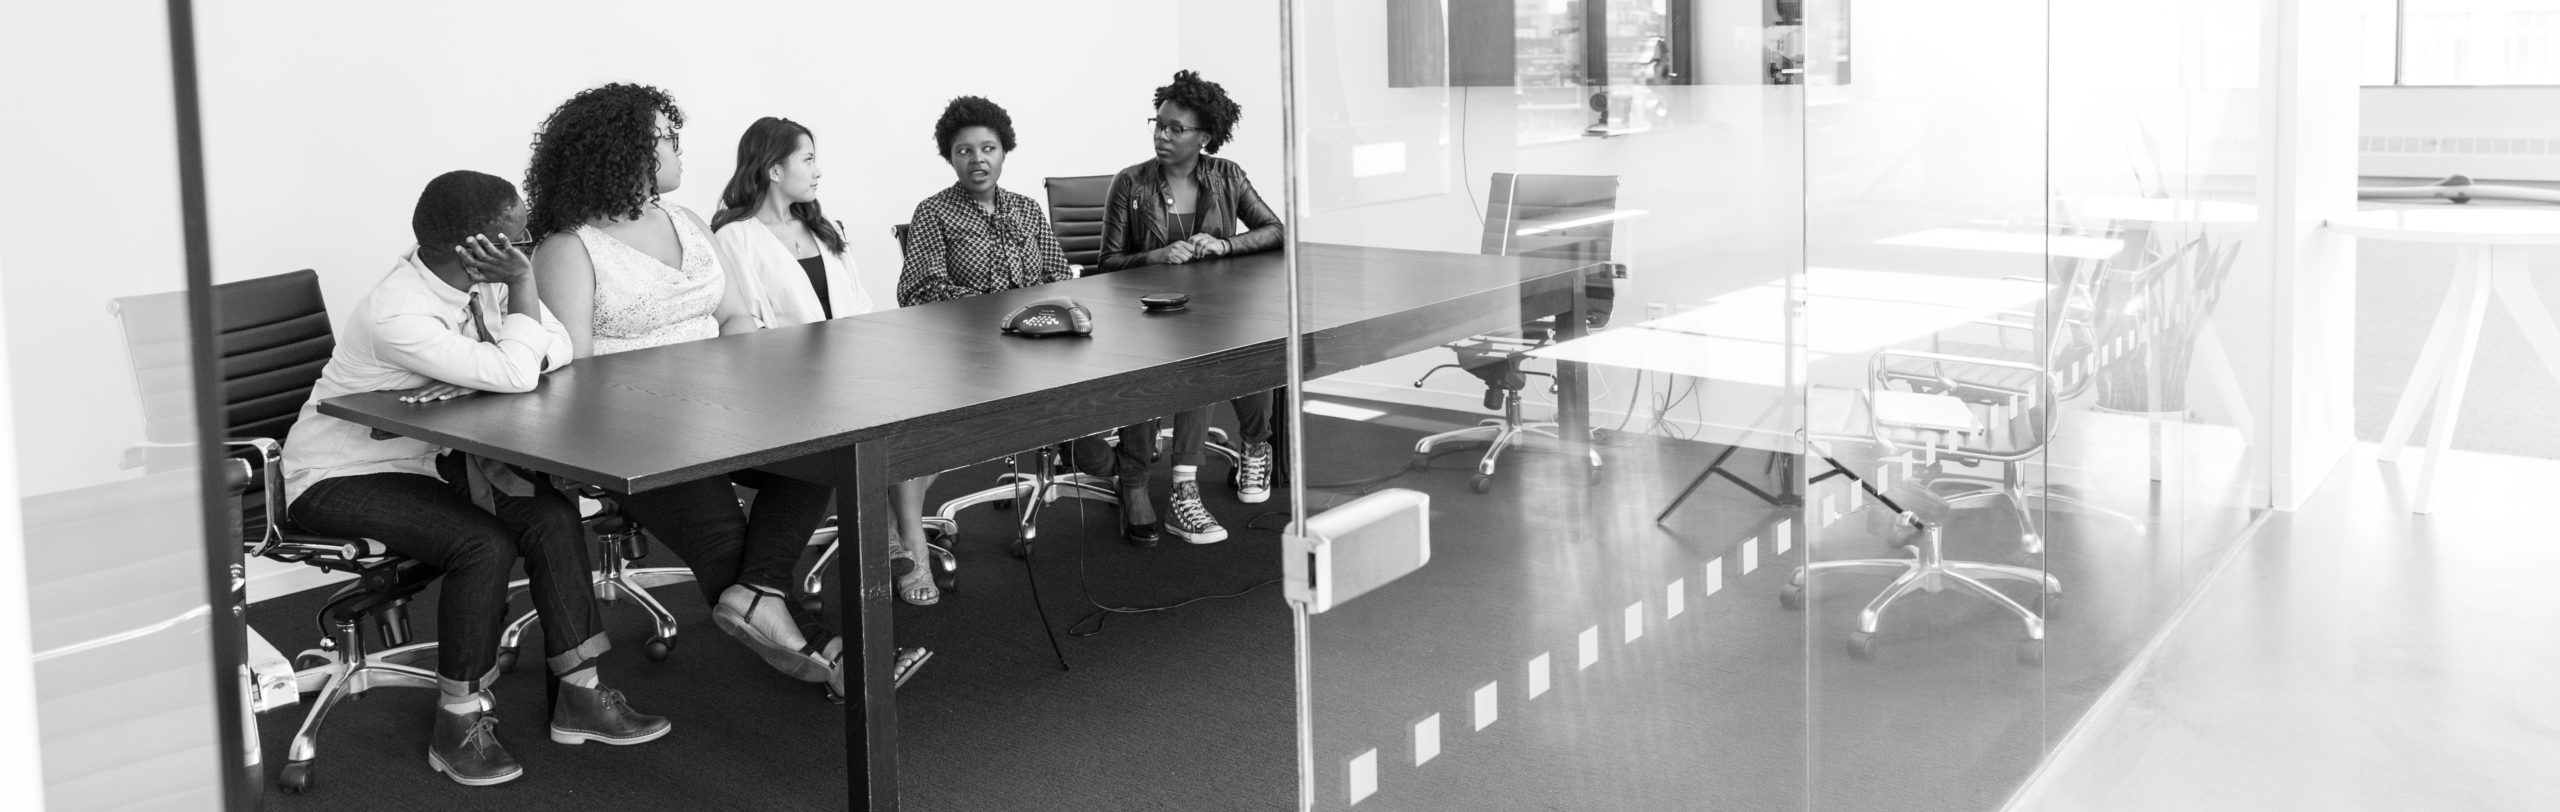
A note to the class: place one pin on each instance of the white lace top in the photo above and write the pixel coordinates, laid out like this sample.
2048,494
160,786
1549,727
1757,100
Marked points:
640,302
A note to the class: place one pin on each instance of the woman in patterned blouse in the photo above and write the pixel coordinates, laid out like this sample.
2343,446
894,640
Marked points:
967,239
974,237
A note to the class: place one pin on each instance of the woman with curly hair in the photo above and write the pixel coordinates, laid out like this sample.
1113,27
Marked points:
1182,206
972,237
625,271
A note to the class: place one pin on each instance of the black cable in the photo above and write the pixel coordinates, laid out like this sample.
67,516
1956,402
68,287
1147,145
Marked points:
1101,614
1021,530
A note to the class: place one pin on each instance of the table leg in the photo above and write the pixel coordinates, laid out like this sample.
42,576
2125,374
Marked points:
870,708
2415,395
2514,287
1573,401
2472,288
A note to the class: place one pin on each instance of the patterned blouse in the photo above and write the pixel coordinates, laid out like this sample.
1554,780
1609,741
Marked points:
641,302
956,250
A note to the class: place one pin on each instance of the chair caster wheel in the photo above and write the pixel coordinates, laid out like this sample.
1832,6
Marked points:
1019,548
1480,483
659,647
506,660
1420,461
1791,596
2031,652
296,778
946,572
1862,645
309,660
1595,475
813,604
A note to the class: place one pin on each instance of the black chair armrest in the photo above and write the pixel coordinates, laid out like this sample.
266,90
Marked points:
265,457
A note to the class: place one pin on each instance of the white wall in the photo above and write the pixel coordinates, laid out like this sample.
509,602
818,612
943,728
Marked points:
323,120
1076,77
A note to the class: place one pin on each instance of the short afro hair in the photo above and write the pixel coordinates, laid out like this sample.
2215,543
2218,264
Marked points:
971,111
596,156
1218,114
456,205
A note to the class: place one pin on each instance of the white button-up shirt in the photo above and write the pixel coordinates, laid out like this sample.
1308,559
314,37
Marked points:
412,330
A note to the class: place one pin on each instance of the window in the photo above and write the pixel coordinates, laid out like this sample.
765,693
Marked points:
2460,42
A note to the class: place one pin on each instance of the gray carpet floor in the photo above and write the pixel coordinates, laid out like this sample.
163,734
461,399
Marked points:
1736,702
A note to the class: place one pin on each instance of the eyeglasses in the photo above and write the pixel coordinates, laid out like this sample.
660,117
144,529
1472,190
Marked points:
1174,128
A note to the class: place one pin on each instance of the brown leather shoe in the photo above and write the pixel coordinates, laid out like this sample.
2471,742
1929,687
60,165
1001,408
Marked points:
465,748
600,714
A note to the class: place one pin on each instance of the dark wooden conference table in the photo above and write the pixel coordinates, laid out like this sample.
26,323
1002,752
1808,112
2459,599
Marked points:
909,391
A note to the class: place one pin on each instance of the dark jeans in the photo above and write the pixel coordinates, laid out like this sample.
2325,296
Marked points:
701,522
435,522
1190,439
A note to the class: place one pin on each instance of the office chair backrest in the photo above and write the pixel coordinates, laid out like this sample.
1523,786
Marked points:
901,231
272,338
1557,217
1075,210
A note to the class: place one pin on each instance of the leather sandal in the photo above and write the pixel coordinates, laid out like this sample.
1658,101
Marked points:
910,660
915,581
800,661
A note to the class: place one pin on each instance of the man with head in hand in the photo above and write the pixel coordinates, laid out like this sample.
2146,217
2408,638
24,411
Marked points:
459,314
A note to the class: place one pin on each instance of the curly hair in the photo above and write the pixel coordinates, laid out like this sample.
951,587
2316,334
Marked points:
1218,114
971,111
596,156
456,205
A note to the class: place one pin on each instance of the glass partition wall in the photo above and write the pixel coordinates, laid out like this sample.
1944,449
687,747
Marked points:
1720,300
1602,206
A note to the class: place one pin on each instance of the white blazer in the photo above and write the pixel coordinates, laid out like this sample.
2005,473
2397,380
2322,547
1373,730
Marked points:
776,289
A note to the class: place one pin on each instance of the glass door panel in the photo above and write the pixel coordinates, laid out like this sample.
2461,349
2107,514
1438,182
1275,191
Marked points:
1598,622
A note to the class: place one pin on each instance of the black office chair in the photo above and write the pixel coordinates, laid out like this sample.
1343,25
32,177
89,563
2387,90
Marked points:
1547,216
273,337
1076,207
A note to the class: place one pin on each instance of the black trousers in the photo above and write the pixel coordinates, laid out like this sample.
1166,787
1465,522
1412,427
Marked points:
702,523
434,521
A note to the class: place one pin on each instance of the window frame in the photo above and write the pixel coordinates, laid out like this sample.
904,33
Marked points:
2400,59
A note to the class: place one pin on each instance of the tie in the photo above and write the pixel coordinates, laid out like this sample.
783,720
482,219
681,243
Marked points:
472,309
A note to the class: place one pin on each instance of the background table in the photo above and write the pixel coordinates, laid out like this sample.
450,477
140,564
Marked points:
2490,264
863,402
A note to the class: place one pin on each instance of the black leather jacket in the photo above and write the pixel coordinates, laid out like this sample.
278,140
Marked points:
1139,215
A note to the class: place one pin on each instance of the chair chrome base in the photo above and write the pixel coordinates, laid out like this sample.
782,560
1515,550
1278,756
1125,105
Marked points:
1033,490
1498,433
1928,569
347,670
615,580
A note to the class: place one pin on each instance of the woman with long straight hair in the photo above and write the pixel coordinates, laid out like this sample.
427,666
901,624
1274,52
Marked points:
792,268
790,265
